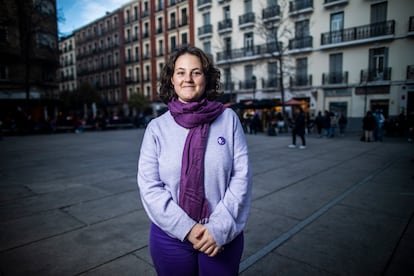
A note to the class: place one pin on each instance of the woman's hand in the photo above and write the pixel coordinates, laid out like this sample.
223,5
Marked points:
203,241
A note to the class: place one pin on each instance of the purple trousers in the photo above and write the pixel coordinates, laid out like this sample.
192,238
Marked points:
174,257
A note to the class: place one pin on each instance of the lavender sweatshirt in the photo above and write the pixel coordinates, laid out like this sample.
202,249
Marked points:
227,177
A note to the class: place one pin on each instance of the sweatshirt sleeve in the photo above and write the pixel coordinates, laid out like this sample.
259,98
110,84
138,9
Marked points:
229,217
156,198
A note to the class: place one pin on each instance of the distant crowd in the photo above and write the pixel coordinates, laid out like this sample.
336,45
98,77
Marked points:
374,125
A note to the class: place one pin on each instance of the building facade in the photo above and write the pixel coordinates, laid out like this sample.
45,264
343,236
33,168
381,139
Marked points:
338,55
29,61
67,64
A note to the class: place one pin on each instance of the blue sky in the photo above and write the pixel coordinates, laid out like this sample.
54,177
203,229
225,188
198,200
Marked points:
78,13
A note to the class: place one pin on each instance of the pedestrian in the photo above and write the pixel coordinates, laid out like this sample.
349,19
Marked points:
368,125
342,122
326,123
332,124
298,128
193,173
319,123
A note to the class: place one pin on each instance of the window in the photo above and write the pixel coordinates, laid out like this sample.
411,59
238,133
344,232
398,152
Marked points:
129,54
227,46
206,18
45,40
378,63
337,25
335,68
272,74
302,29
248,43
248,74
173,43
135,12
301,71
379,12
184,18
207,47
184,39
159,30
248,7
226,12
172,20
160,47
128,35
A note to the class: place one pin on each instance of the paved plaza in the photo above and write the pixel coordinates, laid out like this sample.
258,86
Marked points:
69,205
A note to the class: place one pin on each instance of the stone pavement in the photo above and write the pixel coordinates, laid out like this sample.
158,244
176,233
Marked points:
69,205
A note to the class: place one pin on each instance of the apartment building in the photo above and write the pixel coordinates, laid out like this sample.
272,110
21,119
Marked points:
28,62
123,52
100,59
152,29
67,68
338,55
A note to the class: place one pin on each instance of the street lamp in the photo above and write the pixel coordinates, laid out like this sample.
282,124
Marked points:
254,86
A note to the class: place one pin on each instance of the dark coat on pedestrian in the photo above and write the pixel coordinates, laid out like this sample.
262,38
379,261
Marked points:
369,122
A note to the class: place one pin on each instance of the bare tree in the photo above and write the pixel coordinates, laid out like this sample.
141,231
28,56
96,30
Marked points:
275,28
37,27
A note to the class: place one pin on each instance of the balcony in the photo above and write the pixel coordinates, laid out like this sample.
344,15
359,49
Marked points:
254,51
247,84
271,83
184,21
205,31
376,30
225,26
228,86
372,75
247,20
300,6
334,78
300,42
332,3
300,80
204,4
271,13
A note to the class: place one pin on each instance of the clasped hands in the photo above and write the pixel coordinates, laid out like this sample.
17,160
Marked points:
203,241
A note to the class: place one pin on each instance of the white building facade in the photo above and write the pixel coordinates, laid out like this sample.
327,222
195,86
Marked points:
337,55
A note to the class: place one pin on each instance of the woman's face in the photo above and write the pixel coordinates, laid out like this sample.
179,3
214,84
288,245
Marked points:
188,78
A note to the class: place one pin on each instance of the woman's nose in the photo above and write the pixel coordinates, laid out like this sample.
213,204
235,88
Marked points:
188,77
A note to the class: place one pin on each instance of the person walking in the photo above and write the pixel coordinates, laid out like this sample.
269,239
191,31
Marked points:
368,125
298,128
326,123
319,123
342,122
193,174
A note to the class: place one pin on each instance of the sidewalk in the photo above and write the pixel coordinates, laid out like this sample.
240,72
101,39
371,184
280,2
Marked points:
69,205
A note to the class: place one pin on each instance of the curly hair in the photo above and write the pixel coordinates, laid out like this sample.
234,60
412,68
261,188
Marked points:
212,74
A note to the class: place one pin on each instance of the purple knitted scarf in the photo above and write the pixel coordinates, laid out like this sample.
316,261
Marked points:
197,117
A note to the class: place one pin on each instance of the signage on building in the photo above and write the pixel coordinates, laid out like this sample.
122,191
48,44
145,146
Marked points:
362,90
337,92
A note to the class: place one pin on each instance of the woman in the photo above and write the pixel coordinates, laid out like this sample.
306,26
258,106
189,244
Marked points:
193,173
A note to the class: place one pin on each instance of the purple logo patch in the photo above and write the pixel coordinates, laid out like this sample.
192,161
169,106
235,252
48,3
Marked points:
221,140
